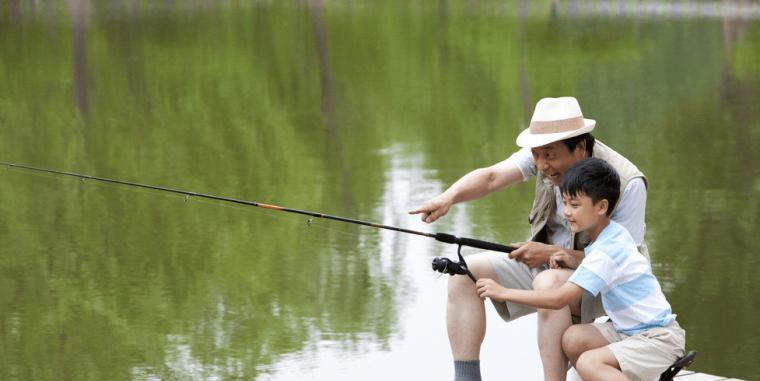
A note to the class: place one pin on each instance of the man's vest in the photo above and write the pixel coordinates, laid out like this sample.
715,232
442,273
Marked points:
544,205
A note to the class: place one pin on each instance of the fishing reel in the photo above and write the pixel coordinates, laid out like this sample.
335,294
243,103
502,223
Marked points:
445,265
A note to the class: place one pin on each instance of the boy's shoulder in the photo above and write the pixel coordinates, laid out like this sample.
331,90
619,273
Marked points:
614,241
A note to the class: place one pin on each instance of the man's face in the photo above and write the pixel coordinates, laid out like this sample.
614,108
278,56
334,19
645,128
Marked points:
581,212
554,159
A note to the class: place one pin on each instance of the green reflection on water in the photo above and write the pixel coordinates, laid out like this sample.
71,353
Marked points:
278,103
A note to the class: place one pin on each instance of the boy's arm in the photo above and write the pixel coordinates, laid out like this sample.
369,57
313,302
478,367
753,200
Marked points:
548,299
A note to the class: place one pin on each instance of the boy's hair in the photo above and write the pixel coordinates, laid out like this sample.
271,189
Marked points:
573,142
595,178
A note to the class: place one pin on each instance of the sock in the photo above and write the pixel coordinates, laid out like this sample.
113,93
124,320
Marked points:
466,370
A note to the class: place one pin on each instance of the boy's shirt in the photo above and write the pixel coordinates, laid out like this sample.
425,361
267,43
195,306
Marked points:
631,295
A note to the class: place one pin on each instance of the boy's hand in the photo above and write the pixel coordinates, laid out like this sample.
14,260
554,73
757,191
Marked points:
488,288
562,260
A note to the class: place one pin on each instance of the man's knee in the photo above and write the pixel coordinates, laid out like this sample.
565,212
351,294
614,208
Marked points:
462,285
550,279
480,266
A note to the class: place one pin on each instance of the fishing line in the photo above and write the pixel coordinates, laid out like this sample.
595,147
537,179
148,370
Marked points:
310,228
310,225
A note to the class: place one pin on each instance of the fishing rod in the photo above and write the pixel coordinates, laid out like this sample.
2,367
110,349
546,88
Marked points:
440,264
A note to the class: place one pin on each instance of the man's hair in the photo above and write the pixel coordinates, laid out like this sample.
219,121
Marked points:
595,178
573,142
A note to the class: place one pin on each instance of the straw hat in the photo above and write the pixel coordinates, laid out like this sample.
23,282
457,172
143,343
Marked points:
555,119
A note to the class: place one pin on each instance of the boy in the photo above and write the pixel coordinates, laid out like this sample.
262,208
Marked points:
642,338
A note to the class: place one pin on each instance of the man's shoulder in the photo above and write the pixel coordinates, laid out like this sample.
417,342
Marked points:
606,152
625,167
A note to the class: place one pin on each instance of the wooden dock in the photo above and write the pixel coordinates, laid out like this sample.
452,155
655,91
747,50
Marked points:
688,375
683,375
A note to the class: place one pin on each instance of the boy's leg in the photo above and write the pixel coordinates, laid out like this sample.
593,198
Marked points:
646,355
552,324
599,365
581,338
640,357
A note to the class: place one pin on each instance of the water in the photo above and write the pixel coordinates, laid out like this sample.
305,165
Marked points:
359,109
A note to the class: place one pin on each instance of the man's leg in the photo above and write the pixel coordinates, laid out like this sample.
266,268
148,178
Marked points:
552,325
466,316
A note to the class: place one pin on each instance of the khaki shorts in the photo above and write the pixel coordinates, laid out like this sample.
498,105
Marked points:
646,355
515,274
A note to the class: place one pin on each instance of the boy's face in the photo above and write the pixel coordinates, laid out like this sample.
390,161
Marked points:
581,212
554,159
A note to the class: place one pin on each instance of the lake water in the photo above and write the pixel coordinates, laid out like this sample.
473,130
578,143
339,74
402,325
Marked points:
360,109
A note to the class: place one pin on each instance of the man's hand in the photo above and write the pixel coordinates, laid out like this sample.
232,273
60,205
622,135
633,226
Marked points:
488,288
433,209
563,260
533,254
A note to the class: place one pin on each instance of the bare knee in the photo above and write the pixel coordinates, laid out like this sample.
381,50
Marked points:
596,364
588,364
461,286
550,279
573,343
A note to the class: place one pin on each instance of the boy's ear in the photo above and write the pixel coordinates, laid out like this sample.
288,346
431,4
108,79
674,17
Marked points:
602,206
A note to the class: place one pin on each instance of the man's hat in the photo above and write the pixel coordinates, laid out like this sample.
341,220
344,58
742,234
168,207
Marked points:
555,119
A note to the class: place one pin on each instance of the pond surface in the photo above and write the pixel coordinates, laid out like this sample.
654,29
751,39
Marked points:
358,109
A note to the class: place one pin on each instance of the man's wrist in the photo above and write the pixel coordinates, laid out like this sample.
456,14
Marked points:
449,196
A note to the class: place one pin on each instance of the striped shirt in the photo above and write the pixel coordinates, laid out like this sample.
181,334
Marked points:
631,295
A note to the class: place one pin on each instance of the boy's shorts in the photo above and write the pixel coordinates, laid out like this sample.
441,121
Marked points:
646,355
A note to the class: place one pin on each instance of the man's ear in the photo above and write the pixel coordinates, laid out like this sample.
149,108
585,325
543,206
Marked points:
602,206
580,150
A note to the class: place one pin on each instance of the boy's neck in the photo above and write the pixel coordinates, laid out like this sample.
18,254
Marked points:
596,230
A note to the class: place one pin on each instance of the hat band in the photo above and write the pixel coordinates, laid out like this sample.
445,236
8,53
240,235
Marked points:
555,126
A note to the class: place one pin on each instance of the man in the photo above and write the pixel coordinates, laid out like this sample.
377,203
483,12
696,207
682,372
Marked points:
557,137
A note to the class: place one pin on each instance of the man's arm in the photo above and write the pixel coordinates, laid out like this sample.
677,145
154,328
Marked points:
548,299
471,186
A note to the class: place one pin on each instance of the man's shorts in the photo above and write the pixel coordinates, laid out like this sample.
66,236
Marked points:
515,274
511,274
646,355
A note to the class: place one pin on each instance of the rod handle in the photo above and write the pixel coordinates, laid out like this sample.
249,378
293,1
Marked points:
485,245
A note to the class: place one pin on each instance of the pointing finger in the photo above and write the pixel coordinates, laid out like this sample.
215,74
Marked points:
419,210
